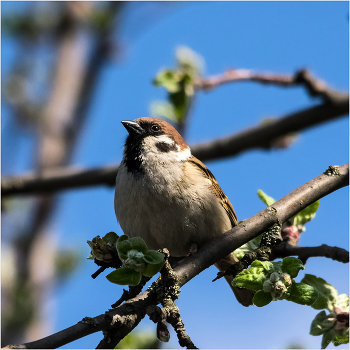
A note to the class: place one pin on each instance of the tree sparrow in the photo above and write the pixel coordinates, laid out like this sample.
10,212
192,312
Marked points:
168,197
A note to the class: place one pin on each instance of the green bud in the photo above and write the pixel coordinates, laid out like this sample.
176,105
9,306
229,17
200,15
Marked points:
135,261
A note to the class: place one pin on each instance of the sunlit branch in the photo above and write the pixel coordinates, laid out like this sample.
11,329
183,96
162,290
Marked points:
127,316
302,77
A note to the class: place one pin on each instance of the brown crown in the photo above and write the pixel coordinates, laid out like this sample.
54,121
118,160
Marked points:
167,128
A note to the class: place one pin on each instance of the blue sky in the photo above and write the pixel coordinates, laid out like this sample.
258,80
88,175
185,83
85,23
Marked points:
278,37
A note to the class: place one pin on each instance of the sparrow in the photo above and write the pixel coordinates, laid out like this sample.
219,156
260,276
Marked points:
168,197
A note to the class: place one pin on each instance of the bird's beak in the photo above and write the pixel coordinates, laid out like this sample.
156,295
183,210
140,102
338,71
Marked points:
132,127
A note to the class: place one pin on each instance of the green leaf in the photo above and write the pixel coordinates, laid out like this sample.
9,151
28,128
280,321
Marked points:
319,324
341,339
153,257
124,276
306,214
139,244
152,269
327,338
181,102
252,278
265,198
169,79
292,266
241,251
139,340
155,261
266,265
255,242
123,246
302,293
111,238
248,247
262,298
277,265
328,295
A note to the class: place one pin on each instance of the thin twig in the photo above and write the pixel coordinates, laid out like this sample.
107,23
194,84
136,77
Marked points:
132,292
315,87
303,253
99,271
243,75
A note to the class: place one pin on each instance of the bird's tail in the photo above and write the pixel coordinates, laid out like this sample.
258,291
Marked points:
243,296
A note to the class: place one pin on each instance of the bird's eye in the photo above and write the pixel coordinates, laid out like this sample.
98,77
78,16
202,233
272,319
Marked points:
155,127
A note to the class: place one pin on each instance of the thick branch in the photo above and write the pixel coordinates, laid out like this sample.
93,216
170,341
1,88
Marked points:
279,212
135,309
260,136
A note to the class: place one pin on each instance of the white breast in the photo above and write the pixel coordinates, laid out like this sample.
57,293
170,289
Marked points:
167,208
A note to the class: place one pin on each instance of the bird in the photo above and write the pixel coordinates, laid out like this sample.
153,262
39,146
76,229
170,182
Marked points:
168,197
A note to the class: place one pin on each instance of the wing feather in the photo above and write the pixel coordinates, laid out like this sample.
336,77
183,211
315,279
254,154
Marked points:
216,189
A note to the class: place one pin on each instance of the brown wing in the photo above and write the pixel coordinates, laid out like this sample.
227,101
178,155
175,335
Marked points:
217,190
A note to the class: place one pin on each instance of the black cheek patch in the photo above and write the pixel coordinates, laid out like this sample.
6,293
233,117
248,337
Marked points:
165,147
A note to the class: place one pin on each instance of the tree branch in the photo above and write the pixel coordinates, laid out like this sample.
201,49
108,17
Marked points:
303,77
260,136
243,75
127,316
278,212
58,179
303,253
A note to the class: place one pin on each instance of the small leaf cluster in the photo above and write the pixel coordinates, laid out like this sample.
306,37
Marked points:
333,326
179,83
137,260
275,281
103,249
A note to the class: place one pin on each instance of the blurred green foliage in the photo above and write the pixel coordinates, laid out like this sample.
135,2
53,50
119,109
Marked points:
139,340
180,85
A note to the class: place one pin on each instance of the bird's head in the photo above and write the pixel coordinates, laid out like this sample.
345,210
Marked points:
152,138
